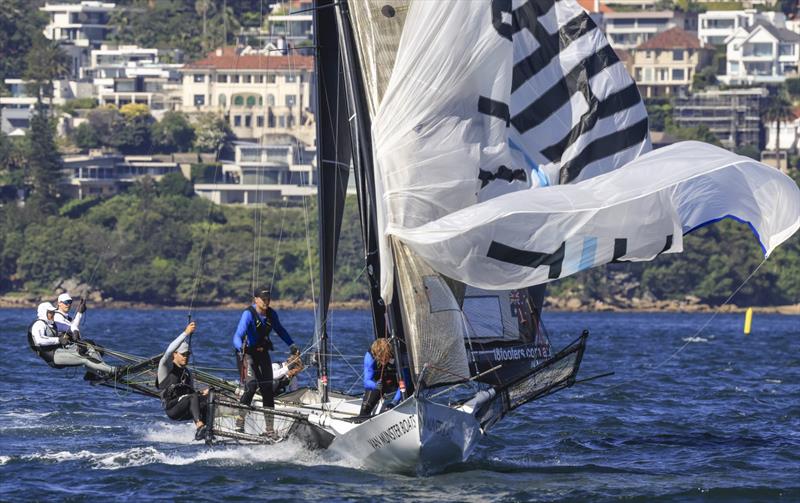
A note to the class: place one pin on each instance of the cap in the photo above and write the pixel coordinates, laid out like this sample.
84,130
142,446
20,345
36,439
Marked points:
183,348
263,293
64,297
43,309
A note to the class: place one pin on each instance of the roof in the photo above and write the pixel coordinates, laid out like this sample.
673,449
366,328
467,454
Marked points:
588,6
781,34
674,38
624,56
230,59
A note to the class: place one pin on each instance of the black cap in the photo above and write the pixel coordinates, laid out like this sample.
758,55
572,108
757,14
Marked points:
262,293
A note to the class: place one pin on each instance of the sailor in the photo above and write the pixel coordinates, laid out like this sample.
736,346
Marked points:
380,376
64,321
283,374
178,396
252,343
60,351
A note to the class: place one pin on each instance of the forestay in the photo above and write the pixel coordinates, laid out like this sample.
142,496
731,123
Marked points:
467,181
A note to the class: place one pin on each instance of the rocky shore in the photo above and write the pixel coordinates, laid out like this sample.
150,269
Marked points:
569,304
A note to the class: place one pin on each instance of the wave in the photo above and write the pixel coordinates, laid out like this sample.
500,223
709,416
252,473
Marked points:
694,339
4,460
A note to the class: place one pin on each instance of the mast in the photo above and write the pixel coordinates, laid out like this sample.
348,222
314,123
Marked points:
333,168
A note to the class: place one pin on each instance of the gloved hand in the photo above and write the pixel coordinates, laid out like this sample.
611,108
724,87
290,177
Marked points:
294,350
64,339
82,305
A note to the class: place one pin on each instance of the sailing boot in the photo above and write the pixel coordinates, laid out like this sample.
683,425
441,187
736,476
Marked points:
269,421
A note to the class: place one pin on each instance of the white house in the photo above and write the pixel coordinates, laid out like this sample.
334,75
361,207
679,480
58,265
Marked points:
715,26
762,55
78,27
258,92
627,30
262,174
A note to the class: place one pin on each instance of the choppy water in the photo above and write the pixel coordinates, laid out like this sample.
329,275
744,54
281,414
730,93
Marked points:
718,421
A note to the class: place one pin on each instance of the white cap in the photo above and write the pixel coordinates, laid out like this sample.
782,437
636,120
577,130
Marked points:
64,297
43,309
183,348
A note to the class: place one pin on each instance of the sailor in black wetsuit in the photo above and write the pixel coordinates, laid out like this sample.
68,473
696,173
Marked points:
178,396
253,345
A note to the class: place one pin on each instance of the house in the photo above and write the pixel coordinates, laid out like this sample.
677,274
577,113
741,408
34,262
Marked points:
264,173
292,23
789,134
666,64
733,115
78,27
131,74
715,26
627,30
258,92
102,174
763,54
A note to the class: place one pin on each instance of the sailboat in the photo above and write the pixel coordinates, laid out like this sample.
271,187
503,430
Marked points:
496,146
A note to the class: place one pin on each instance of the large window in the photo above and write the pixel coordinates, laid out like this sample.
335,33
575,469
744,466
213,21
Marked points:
199,100
222,78
223,102
678,74
237,121
291,100
251,101
248,120
199,78
238,101
234,79
677,54
291,77
758,49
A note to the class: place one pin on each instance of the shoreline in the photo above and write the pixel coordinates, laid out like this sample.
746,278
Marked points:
551,305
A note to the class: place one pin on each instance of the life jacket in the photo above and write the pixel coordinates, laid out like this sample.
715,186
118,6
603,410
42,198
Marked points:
387,374
46,353
178,383
263,330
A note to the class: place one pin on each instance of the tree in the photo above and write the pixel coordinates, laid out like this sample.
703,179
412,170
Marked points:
779,110
173,133
106,122
203,7
44,162
211,133
175,184
85,137
45,62
20,25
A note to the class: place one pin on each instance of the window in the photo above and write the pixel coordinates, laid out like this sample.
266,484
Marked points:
261,101
291,100
247,79
734,67
199,78
234,79
291,77
260,121
237,121
259,79
199,100
251,101
238,101
248,121
270,78
281,121
786,50
251,155
222,100
678,74
648,74
270,100
222,78
677,54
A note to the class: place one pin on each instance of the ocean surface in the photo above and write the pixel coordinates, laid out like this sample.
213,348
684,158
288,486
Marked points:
690,415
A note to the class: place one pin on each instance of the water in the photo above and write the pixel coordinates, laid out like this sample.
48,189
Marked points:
718,421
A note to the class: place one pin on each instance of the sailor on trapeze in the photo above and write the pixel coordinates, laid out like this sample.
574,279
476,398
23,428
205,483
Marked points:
61,351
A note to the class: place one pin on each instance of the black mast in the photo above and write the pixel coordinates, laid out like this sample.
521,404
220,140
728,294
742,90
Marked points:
333,166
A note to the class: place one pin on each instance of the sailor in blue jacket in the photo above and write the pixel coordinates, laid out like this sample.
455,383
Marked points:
252,344
380,376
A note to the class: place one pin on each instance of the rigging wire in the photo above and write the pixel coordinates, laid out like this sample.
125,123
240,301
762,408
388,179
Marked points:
688,340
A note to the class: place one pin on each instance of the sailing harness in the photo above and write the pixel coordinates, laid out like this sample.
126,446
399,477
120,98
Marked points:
263,342
46,353
175,386
386,375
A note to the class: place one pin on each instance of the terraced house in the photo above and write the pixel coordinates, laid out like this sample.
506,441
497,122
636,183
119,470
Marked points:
666,64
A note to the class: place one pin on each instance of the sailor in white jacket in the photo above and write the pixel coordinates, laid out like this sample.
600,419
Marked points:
65,323
59,352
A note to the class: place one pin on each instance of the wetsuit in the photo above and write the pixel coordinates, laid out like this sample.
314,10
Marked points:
178,397
378,380
252,342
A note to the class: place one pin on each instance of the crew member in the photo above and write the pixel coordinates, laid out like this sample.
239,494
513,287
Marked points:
65,323
252,344
178,396
380,376
60,351
283,374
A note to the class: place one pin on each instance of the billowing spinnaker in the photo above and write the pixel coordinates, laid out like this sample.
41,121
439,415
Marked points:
491,97
633,213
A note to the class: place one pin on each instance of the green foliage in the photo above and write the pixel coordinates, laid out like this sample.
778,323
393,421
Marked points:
705,78
211,132
71,106
659,111
206,173
75,208
173,133
44,63
750,151
44,162
175,184
85,136
699,133
20,26
793,87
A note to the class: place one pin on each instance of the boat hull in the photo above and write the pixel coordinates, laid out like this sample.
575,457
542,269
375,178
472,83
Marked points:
417,436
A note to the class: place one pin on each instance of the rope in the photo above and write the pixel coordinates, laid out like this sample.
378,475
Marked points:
687,342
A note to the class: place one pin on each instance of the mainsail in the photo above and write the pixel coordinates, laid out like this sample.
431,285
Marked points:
489,108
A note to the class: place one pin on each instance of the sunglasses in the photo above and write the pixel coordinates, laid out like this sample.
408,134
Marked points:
67,302
186,355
